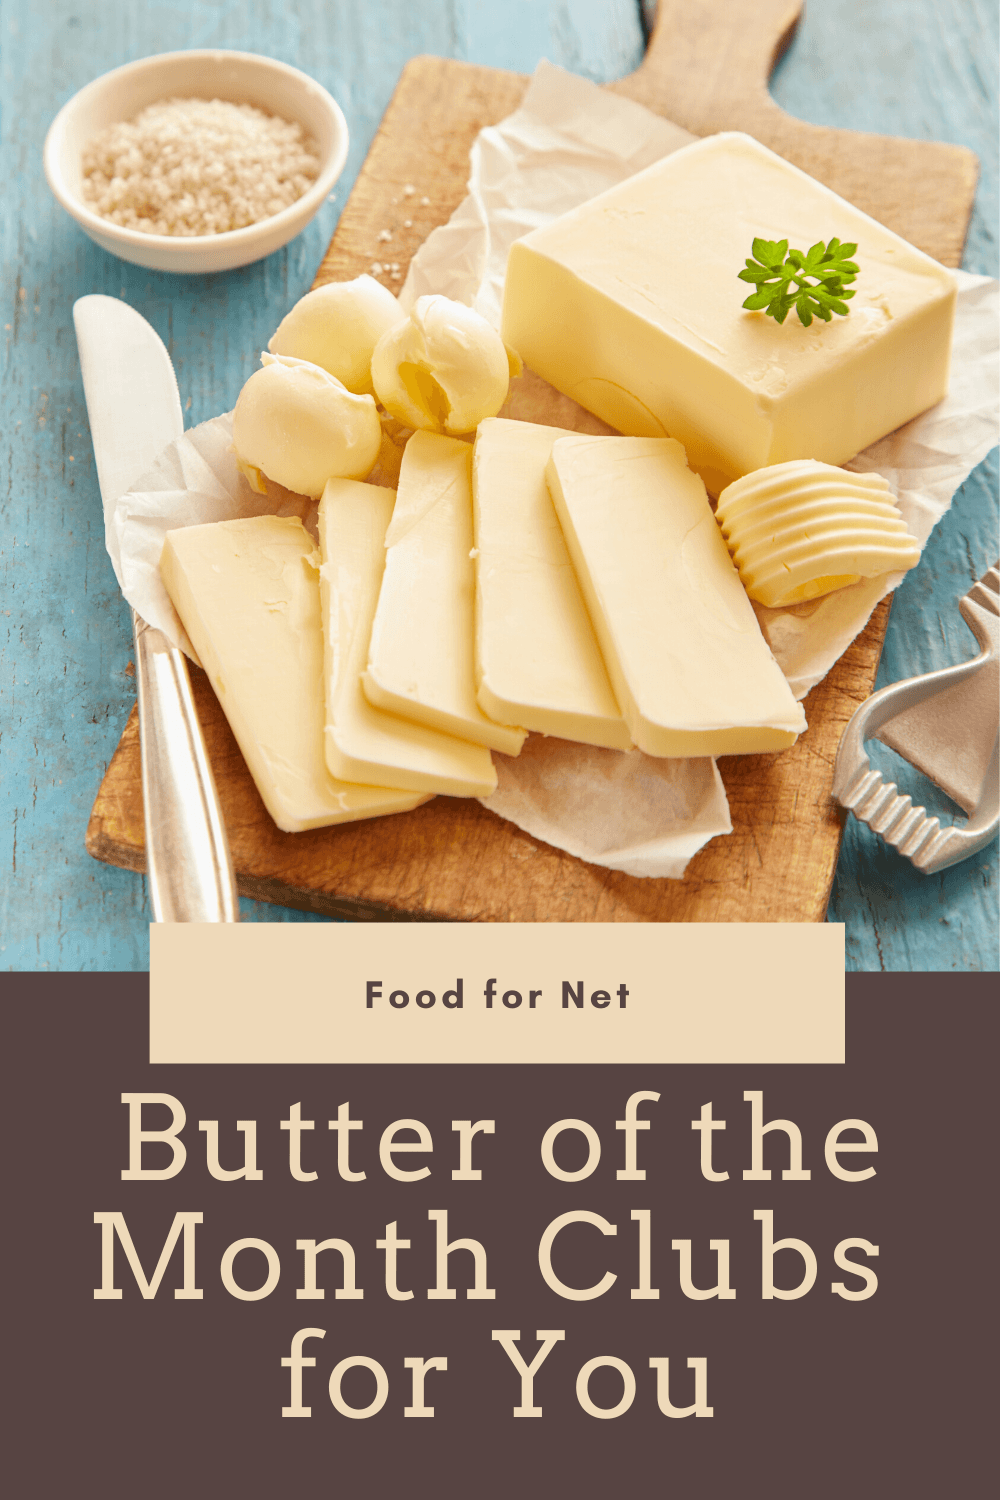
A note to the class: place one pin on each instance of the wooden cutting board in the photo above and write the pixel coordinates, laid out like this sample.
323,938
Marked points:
706,69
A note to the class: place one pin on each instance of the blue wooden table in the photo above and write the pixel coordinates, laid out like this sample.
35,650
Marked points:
923,68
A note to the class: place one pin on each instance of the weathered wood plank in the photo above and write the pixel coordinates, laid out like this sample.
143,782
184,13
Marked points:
927,71
779,861
65,639
921,68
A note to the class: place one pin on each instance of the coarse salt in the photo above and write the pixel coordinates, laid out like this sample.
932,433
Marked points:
197,166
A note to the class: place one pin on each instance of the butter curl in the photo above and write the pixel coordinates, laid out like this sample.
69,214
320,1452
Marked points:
444,370
300,426
337,327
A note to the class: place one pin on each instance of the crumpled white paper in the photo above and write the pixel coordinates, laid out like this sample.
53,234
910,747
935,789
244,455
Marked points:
568,141
195,480
622,809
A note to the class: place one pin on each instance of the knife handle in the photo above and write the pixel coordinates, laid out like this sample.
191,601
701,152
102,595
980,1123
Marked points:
188,864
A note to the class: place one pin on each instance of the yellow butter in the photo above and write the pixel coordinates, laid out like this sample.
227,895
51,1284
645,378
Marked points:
362,742
442,369
420,662
537,660
296,423
799,530
337,326
248,594
632,305
680,640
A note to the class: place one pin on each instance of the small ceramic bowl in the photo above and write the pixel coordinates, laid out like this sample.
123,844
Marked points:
240,77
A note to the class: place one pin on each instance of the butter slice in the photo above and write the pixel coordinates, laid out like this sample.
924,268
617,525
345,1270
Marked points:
690,668
420,663
362,742
799,530
632,305
537,660
248,594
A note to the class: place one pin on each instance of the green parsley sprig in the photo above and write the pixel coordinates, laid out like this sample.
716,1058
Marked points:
814,283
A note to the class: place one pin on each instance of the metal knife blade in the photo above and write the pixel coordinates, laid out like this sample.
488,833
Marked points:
134,409
133,402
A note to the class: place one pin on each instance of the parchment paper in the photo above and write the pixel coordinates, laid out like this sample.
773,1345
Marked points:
568,141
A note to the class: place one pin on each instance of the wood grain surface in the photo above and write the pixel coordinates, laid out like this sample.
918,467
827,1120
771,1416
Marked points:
915,68
452,859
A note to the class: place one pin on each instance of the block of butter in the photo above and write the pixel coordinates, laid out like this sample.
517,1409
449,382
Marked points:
537,660
632,305
684,652
248,594
364,743
420,662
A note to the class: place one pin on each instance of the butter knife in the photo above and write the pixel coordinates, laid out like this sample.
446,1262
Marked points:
134,409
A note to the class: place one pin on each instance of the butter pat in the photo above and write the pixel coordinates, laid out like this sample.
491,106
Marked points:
632,305
420,663
444,369
797,531
362,742
248,594
299,425
537,660
337,327
684,652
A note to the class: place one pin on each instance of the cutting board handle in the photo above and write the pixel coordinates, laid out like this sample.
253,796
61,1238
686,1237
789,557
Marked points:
707,68
710,58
